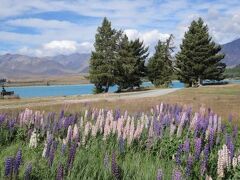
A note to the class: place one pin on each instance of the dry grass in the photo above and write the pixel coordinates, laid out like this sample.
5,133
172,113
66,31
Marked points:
51,80
223,100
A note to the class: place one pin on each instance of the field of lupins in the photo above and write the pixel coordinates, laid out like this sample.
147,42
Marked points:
168,142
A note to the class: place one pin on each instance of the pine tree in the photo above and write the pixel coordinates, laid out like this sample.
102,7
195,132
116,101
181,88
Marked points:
140,52
102,62
125,72
199,58
160,67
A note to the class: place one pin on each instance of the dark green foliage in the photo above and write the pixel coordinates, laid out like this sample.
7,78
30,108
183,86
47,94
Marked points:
199,57
103,58
140,53
160,67
130,65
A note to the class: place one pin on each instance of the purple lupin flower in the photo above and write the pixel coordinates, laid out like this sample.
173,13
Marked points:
60,172
27,172
11,124
197,147
197,127
177,175
8,166
159,174
2,118
211,138
71,156
206,152
189,165
156,127
186,145
178,154
49,144
18,161
61,114
115,168
63,148
230,145
203,167
51,157
117,114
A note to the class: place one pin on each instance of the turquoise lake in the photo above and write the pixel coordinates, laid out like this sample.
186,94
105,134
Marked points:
67,90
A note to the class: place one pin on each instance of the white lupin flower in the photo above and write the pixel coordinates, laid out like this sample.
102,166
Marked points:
172,129
208,177
234,162
224,161
33,139
44,150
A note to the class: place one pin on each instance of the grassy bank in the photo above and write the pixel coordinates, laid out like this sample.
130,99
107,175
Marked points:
48,80
224,100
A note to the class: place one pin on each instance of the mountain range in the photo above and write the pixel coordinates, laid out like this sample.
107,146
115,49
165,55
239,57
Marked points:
232,53
16,65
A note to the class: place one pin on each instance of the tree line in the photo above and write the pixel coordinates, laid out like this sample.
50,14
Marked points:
123,62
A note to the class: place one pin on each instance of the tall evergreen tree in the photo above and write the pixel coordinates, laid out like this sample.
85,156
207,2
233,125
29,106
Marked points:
102,62
125,72
160,68
140,53
199,57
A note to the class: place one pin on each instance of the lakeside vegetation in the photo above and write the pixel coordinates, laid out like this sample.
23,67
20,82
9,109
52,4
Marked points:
166,142
117,60
223,99
233,73
48,80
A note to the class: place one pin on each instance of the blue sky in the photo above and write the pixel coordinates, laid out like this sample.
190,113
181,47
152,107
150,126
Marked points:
50,27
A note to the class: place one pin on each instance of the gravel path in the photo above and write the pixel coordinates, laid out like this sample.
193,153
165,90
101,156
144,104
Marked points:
130,95
84,98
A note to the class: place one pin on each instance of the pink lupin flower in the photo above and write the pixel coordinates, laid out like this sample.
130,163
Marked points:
180,127
114,127
138,129
95,129
75,135
172,130
193,122
120,126
86,131
126,128
161,108
69,133
131,132
215,122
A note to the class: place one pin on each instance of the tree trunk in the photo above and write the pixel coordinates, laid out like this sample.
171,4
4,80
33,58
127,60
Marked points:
199,82
107,87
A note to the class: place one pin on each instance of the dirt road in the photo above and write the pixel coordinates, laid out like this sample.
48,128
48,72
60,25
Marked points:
31,102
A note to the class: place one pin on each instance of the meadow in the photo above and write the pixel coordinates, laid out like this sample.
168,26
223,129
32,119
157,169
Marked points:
192,135
165,142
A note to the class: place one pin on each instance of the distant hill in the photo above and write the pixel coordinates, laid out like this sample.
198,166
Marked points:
232,53
15,65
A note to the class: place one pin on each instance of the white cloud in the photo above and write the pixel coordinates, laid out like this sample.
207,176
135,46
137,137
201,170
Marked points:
150,38
58,47
41,23
149,20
